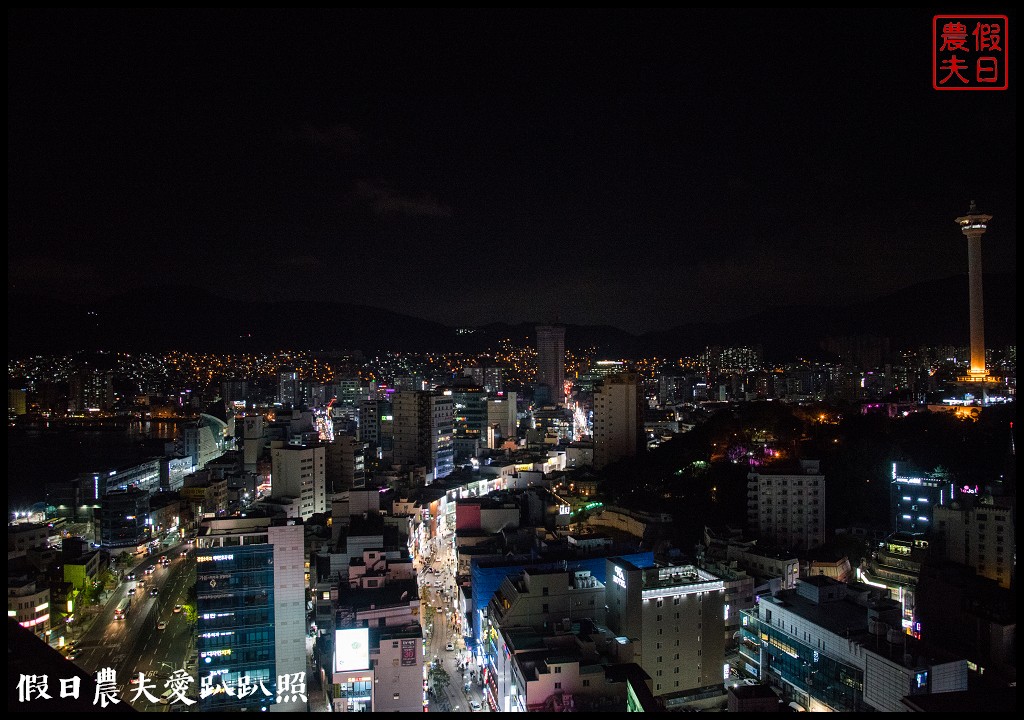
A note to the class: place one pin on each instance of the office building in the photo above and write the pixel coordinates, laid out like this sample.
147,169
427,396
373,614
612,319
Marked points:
896,568
28,604
541,599
836,647
914,495
120,520
251,602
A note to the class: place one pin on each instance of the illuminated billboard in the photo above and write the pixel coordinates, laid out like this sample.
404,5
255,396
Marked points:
351,649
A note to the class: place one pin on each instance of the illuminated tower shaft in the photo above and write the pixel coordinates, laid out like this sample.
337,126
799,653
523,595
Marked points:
973,226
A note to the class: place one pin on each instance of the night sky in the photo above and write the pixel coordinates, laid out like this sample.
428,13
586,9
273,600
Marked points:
640,169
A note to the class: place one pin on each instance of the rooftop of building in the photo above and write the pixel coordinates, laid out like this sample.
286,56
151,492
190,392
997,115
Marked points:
842,617
395,593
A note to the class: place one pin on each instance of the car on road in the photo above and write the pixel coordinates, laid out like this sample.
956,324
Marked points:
131,590
449,647
150,569
162,625
177,608
474,705
184,553
129,576
153,592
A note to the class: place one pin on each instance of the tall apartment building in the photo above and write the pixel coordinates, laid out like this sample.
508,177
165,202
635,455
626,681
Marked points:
288,387
423,432
251,602
787,509
300,471
618,419
981,535
551,361
677,613
234,390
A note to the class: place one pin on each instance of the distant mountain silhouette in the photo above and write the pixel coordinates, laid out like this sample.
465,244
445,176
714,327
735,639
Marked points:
927,313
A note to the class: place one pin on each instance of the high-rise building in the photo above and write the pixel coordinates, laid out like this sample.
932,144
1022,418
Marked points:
618,419
501,419
677,612
787,509
346,463
470,420
423,432
551,361
980,535
251,602
288,387
91,391
494,381
235,390
299,471
254,435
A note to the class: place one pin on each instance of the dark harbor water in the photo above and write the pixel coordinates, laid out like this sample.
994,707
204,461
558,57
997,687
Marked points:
37,456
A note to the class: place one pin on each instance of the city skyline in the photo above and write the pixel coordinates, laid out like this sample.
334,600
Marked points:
474,167
448,360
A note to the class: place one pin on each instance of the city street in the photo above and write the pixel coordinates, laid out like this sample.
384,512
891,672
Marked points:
135,644
437,589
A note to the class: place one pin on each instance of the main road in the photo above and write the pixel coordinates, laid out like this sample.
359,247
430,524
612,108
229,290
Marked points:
135,644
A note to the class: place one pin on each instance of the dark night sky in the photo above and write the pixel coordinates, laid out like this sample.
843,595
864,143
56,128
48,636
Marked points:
641,169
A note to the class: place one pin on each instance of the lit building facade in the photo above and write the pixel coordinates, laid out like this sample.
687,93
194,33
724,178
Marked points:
833,647
250,587
288,387
29,606
914,496
677,612
301,472
423,432
543,600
